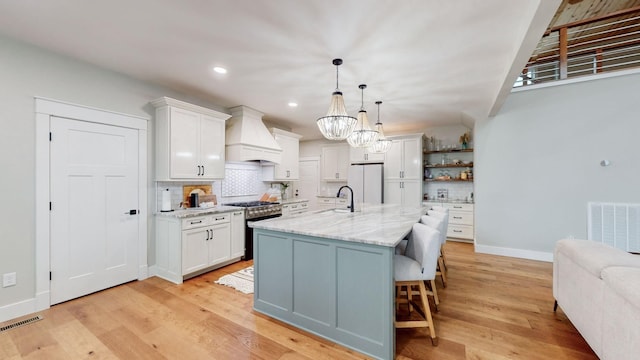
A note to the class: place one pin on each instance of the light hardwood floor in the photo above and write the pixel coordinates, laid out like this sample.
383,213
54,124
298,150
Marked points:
493,308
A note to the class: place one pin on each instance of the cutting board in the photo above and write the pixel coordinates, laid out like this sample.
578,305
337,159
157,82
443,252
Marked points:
203,191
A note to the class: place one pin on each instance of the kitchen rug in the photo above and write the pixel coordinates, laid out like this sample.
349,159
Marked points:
241,280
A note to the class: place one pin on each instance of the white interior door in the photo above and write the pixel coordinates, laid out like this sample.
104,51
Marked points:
94,185
309,182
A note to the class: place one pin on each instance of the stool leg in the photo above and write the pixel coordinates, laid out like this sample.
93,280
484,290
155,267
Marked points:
427,313
435,293
444,257
441,272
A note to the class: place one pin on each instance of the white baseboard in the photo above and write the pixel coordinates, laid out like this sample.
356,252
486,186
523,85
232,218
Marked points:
143,272
18,309
518,253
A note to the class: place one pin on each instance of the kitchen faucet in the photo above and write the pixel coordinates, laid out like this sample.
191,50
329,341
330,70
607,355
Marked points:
350,189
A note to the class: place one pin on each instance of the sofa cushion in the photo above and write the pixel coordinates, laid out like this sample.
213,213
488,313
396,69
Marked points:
625,281
594,256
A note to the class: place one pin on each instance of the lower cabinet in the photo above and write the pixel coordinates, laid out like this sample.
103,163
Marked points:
237,234
331,203
460,219
191,246
295,208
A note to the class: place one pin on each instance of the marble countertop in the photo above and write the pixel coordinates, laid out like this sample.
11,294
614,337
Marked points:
383,225
187,213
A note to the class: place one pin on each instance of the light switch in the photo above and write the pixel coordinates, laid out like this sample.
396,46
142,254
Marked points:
8,279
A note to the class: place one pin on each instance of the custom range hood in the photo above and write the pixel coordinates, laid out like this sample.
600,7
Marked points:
248,139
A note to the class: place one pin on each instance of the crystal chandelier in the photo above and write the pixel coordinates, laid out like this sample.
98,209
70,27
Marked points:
337,124
382,145
362,136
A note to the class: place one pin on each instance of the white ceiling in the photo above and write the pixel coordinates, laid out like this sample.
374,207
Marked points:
431,62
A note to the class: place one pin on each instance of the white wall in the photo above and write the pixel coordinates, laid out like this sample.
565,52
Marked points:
27,71
537,163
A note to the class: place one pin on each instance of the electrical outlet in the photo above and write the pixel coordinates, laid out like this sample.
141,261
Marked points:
8,279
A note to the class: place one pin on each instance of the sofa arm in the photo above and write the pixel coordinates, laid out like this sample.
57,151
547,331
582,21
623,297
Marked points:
621,313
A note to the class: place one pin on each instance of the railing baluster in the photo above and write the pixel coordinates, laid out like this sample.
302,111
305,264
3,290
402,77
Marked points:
563,53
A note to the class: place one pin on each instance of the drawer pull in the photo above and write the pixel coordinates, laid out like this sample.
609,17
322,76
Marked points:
457,207
458,231
238,213
222,218
196,222
457,217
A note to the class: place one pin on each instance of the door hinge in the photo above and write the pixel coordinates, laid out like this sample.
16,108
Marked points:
49,275
50,136
50,205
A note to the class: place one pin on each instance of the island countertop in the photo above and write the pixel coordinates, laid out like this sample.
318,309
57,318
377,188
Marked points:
384,225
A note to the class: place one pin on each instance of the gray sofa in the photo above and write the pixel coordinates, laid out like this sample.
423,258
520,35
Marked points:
598,288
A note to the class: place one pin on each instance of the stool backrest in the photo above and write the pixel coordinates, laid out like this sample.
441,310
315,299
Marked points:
440,208
437,223
445,217
424,247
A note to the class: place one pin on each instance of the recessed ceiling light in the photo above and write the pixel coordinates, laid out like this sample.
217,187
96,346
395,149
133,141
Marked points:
293,104
220,70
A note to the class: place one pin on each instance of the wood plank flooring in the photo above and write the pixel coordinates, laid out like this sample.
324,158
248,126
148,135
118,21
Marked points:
492,308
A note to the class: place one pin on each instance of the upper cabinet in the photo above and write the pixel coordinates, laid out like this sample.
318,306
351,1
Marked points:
287,169
404,159
335,162
363,156
189,141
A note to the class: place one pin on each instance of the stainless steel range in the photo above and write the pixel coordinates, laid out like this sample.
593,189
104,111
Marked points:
254,211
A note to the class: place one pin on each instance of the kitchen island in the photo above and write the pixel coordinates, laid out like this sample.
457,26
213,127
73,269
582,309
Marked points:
331,273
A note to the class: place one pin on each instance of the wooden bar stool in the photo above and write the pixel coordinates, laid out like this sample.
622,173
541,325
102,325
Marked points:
412,270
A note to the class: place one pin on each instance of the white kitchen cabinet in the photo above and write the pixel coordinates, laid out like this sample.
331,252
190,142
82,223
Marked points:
461,226
237,234
288,169
332,203
404,158
295,208
186,247
403,171
403,192
190,141
363,156
335,162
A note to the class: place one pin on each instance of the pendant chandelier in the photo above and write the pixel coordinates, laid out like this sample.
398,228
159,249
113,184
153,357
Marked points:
382,145
337,124
362,136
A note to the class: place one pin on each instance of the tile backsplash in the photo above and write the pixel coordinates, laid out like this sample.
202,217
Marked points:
243,182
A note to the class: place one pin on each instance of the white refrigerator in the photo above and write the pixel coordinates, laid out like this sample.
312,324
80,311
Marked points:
366,181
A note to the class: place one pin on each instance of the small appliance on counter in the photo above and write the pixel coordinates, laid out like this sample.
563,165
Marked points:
194,200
